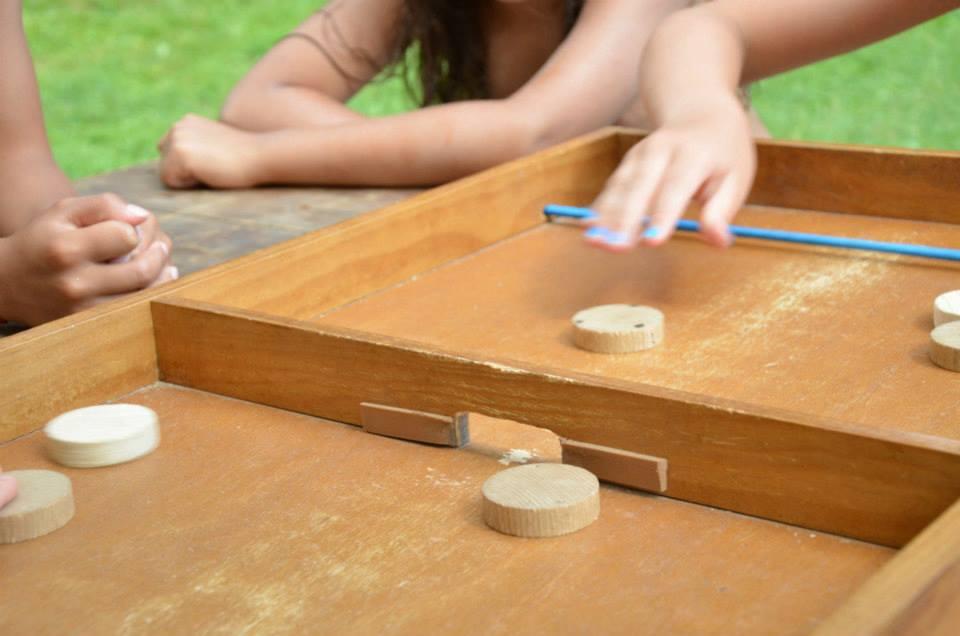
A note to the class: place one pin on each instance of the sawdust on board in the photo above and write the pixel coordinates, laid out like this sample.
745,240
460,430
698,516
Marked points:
796,288
516,456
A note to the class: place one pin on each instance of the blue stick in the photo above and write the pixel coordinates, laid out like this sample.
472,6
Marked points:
908,249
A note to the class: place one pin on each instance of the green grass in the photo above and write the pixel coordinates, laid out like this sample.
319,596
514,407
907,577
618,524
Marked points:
114,75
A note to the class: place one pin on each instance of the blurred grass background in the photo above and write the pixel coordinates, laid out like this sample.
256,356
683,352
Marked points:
114,75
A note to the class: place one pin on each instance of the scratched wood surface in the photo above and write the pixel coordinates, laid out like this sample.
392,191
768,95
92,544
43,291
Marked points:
834,334
108,350
253,519
882,487
210,227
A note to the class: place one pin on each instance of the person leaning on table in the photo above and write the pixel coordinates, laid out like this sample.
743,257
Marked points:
59,253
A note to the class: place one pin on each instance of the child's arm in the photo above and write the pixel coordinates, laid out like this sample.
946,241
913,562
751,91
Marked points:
702,150
55,251
31,180
305,79
64,259
587,83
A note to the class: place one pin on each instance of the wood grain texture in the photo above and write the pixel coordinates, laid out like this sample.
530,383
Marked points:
767,325
865,180
251,519
416,426
326,269
73,362
873,485
64,364
541,500
616,466
915,593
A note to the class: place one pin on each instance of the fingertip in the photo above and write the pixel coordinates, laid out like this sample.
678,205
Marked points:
607,238
716,231
656,235
136,213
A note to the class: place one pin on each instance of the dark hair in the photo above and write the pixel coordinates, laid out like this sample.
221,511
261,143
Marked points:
440,48
446,43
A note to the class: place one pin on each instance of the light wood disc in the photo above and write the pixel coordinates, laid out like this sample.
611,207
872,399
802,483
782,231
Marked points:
541,500
102,435
945,346
946,308
618,328
44,502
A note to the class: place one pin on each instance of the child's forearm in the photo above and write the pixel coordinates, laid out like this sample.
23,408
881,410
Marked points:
30,176
424,147
260,108
676,83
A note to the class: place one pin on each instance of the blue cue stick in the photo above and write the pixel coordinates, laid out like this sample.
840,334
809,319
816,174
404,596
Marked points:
908,249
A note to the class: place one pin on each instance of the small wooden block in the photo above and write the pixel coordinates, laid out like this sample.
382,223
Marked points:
102,435
618,328
44,502
945,346
416,426
643,472
541,500
946,308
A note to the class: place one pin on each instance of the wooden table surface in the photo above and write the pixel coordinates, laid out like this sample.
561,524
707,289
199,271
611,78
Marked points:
250,519
209,227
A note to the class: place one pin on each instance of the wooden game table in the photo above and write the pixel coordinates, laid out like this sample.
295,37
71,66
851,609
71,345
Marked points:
813,451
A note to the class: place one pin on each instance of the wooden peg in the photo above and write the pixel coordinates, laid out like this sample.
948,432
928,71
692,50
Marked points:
102,435
415,426
541,500
618,328
643,472
945,346
946,308
44,502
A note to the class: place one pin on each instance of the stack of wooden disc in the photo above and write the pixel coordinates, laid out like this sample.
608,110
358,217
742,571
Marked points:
945,337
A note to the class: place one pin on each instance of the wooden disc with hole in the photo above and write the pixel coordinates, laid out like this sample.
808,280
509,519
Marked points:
618,328
102,435
44,502
946,308
541,500
945,346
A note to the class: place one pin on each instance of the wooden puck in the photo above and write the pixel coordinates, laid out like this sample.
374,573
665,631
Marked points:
102,435
44,502
946,308
945,346
541,500
618,328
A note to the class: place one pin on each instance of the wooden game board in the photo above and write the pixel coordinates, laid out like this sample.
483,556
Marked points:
814,452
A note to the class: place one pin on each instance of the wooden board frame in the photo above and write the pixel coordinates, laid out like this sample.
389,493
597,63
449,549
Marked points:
107,352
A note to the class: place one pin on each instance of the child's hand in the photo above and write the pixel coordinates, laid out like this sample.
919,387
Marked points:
708,157
59,263
197,150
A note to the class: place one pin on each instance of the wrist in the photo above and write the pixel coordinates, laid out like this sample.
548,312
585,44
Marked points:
259,163
723,105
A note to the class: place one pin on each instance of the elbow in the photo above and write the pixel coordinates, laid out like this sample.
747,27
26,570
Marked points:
236,110
534,131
